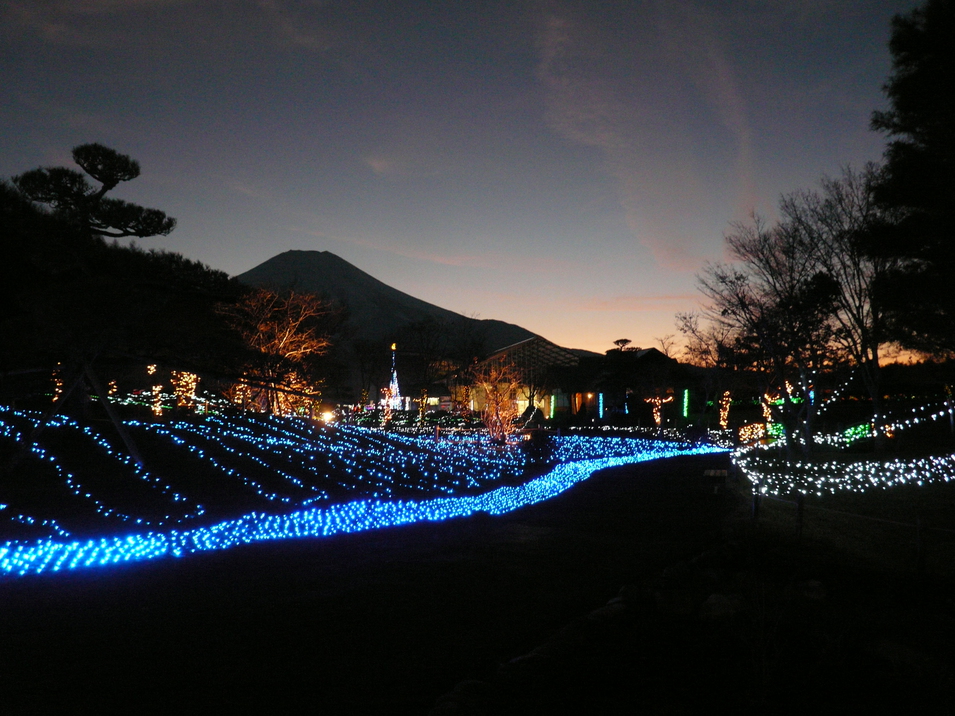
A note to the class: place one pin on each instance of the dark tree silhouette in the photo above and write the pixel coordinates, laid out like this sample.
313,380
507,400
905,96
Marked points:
834,223
68,193
919,181
72,298
776,306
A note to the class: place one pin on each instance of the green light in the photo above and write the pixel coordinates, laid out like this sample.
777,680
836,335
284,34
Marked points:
686,403
858,432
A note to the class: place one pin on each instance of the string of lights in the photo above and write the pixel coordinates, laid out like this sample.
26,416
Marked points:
9,431
344,478
919,414
51,555
781,477
316,465
784,477
29,520
836,394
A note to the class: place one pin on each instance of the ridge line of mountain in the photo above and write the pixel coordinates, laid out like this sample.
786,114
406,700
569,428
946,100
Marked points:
376,310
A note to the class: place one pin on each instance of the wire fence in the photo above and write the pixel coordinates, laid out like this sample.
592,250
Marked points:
916,545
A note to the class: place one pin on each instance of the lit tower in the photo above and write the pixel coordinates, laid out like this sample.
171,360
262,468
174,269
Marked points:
394,394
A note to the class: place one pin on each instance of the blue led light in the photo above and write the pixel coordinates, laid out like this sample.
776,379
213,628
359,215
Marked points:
20,558
321,482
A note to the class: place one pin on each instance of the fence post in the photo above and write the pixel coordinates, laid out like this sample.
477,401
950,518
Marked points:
951,413
800,512
919,547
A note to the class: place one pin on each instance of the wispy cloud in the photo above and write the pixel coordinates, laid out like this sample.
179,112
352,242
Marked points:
691,37
382,166
76,22
634,119
250,191
486,260
639,303
581,106
402,164
94,23
294,28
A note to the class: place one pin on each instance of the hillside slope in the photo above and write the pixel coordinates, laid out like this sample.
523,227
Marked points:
376,310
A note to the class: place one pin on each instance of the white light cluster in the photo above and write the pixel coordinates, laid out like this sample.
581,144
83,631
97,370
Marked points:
782,477
202,401
752,432
920,414
651,432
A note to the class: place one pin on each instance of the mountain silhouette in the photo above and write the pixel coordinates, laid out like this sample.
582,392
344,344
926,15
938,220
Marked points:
376,310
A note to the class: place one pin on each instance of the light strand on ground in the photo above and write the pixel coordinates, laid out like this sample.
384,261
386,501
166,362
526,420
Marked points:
36,557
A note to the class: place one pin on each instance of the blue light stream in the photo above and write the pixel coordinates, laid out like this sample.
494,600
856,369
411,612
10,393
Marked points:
18,558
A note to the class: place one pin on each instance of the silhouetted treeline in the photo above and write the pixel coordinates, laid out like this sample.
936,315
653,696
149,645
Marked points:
919,179
72,298
855,267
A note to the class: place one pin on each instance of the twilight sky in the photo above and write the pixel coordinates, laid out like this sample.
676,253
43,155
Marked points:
566,166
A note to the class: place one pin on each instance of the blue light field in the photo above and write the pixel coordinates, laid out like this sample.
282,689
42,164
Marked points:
300,481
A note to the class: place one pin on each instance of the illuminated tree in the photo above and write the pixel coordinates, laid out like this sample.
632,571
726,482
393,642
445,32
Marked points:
834,223
184,386
725,402
777,306
498,381
285,333
712,346
69,194
658,401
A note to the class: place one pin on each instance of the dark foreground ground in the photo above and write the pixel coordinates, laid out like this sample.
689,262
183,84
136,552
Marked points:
639,591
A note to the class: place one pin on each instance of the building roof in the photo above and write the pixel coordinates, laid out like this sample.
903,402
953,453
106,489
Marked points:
535,352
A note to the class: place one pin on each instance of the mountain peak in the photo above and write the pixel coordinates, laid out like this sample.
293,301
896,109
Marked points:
376,310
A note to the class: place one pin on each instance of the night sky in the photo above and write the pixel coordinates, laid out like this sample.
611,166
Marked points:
566,166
